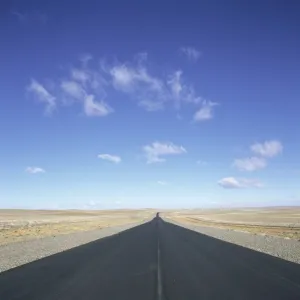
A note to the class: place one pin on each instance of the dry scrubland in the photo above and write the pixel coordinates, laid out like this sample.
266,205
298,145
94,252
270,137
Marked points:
283,222
20,225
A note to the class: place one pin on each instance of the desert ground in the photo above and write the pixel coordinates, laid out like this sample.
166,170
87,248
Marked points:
20,225
278,221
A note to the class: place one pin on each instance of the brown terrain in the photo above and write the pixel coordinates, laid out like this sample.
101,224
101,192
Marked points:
280,221
19,225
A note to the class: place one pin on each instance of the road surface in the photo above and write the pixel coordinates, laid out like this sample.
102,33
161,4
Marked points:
154,261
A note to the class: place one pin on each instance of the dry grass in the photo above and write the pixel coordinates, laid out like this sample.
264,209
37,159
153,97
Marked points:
19,225
283,222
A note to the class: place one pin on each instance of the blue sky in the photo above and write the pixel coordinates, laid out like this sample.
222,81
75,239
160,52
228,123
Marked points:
149,104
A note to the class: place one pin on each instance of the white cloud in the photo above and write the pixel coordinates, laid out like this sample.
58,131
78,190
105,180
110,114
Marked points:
73,89
153,93
128,79
156,150
234,183
80,75
112,158
94,108
34,170
201,162
84,81
123,78
250,164
42,95
268,148
85,58
151,105
180,92
150,91
205,112
162,183
191,53
175,84
136,81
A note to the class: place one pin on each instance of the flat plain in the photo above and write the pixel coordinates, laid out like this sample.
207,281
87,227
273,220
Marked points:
275,221
20,225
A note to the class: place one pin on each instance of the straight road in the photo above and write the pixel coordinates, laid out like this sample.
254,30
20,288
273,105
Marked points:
125,266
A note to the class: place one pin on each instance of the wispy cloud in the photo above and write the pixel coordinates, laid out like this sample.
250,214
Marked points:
95,108
30,16
157,151
180,91
85,58
264,151
80,75
205,112
153,91
239,183
81,86
112,158
162,183
34,170
129,78
73,89
268,148
42,95
201,162
137,82
191,53
175,84
84,86
250,164
149,105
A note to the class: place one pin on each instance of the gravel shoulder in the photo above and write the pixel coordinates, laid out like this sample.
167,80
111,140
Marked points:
19,253
284,248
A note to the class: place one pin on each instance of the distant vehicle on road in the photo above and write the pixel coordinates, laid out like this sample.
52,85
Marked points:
157,215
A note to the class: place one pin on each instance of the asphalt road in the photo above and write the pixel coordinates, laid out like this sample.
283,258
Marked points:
125,266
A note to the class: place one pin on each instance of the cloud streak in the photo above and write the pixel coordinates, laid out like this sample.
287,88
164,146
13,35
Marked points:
156,152
263,151
268,148
162,183
205,112
250,164
134,79
235,183
42,95
34,170
191,53
94,108
111,158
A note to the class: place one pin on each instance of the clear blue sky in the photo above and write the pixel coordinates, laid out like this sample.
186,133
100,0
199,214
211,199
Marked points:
149,104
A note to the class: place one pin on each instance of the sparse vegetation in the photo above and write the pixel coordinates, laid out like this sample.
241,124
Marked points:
283,222
20,225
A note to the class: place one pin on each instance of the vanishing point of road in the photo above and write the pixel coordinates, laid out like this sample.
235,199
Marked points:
154,261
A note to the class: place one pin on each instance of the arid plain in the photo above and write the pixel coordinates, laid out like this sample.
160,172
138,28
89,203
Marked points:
19,225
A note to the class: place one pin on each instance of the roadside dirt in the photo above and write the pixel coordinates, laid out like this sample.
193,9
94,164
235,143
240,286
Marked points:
282,222
20,225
